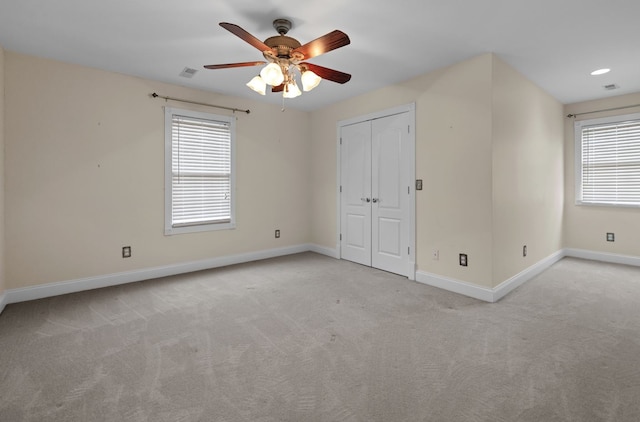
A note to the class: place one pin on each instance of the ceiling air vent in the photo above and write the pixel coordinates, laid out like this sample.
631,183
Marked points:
187,72
610,87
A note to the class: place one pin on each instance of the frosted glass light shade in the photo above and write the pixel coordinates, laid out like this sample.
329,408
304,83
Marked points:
272,74
291,90
258,85
309,80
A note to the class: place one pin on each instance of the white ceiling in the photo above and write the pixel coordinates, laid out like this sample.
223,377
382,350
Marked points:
555,43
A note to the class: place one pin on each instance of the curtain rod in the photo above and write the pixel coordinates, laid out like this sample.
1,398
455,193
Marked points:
154,95
606,109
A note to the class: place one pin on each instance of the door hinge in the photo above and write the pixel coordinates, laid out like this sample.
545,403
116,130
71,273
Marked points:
340,236
340,188
408,128
340,141
408,192
409,250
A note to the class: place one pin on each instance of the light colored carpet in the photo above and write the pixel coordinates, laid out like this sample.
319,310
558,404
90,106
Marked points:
309,338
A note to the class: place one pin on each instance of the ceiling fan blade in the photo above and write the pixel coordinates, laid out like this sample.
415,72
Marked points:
324,44
328,74
278,88
229,65
241,33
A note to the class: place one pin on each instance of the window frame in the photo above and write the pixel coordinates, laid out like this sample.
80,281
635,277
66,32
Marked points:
578,127
169,229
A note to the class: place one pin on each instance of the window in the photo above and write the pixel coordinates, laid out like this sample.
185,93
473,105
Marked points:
608,161
199,171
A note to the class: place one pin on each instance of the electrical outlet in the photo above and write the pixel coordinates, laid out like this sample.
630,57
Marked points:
277,234
524,250
419,184
435,254
611,237
463,259
126,251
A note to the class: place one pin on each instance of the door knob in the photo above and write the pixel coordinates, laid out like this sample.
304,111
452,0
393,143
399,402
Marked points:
374,200
365,199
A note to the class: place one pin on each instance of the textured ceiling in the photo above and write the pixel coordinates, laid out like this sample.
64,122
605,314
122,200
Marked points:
554,43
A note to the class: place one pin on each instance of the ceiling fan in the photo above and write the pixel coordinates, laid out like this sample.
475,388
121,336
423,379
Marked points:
284,54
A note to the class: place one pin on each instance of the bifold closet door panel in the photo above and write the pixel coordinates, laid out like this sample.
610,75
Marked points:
355,198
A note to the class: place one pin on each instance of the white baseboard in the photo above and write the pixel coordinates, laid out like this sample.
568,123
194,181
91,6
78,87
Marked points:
603,257
502,289
485,293
3,301
456,286
54,289
323,250
468,289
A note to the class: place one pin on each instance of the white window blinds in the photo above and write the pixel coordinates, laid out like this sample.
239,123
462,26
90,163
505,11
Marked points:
201,173
610,163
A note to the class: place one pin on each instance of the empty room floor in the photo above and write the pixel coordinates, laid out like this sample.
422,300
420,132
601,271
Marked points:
310,338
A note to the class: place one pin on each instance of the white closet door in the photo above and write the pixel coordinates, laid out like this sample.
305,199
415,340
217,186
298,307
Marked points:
375,198
390,194
355,199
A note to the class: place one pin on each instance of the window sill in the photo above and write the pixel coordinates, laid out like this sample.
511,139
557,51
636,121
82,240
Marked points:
170,231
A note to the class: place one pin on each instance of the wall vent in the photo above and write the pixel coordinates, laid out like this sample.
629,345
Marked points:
610,87
188,72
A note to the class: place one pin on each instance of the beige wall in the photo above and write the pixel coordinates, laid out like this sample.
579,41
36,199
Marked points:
2,259
474,199
85,174
453,157
528,174
85,162
453,153
585,227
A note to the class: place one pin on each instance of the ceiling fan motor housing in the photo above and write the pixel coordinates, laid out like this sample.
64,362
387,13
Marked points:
281,44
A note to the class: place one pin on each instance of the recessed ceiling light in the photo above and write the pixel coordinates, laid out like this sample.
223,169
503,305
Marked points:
600,72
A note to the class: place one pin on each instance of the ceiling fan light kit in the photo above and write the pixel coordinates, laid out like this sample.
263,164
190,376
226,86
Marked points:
291,90
258,85
272,74
309,80
284,55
